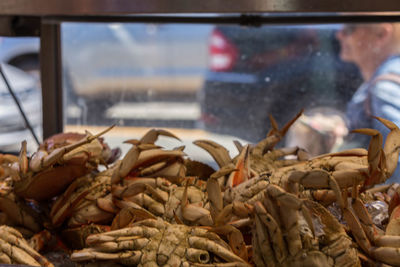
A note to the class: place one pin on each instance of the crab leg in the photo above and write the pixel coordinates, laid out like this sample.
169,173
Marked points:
290,219
253,187
263,250
194,213
364,232
206,244
215,197
382,163
278,245
130,159
18,255
235,238
23,159
128,215
91,254
242,210
152,156
18,213
168,170
274,136
318,179
13,242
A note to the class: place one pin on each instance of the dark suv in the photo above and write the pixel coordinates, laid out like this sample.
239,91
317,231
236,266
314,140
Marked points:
257,71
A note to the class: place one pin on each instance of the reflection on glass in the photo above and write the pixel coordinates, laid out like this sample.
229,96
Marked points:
218,82
19,57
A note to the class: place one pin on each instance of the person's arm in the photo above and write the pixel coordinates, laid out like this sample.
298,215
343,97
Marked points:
385,103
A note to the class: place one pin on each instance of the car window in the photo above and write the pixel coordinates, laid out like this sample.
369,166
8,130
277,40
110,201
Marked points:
213,81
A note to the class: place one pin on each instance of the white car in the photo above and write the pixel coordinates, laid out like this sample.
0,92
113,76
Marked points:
13,129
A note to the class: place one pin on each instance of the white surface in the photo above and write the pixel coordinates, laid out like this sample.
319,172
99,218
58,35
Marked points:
118,135
155,110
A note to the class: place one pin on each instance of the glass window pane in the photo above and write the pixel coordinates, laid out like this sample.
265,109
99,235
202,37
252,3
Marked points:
219,82
19,57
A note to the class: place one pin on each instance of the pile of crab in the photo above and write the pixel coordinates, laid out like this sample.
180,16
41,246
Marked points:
75,203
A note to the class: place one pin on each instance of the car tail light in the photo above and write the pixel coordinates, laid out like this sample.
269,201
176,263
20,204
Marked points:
223,53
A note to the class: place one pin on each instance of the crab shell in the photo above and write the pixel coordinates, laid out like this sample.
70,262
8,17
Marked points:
162,198
47,173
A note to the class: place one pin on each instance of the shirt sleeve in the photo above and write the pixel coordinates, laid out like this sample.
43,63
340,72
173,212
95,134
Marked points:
385,103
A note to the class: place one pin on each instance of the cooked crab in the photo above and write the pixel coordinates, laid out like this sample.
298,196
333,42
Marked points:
289,231
47,173
158,243
331,172
186,202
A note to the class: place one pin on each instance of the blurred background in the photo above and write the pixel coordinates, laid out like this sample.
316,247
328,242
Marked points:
216,82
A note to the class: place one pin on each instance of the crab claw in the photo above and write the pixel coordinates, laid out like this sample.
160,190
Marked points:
392,146
194,213
376,158
215,196
382,162
273,136
393,227
151,136
235,238
275,130
219,153
23,159
242,172
125,165
128,215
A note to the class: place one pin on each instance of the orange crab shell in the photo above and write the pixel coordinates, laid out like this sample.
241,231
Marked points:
51,182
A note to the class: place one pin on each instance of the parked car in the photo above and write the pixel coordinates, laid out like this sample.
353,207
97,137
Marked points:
111,63
21,52
277,70
13,129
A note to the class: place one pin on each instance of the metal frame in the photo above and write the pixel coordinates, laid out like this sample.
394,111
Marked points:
126,7
43,18
51,77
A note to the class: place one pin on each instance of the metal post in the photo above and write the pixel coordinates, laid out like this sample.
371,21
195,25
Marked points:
51,77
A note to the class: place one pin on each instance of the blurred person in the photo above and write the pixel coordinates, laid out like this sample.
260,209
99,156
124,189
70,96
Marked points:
375,50
318,130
